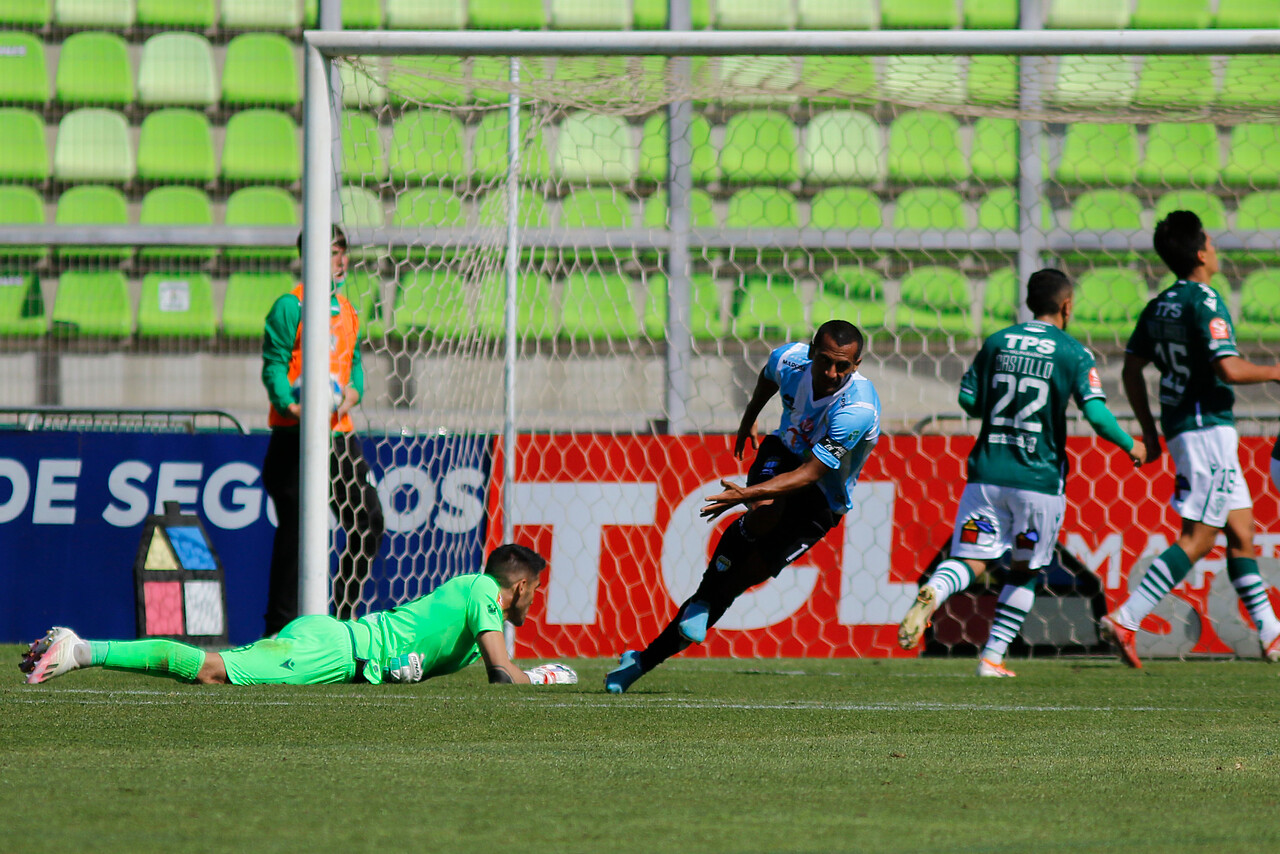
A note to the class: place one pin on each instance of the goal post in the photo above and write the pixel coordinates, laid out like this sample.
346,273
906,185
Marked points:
573,248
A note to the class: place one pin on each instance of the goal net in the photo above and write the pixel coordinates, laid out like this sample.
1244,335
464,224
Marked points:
908,194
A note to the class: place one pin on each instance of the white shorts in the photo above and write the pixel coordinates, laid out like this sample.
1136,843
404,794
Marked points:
993,519
1209,483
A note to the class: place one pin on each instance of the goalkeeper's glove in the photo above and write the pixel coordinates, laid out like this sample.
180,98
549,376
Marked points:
552,674
405,668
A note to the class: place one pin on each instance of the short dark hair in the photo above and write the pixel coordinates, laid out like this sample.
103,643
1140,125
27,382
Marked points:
1179,240
840,332
337,236
511,562
1047,290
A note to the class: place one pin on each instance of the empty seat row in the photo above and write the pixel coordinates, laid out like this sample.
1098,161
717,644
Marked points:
123,14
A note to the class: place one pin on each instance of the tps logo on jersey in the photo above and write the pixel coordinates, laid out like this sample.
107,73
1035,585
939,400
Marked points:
1095,381
1027,540
976,529
1218,329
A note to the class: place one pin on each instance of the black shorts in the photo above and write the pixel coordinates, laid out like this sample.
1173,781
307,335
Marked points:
806,515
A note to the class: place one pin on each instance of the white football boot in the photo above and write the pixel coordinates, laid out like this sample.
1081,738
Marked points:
52,655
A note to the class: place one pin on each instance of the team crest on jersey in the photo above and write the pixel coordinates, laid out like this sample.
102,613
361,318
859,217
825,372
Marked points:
1027,539
1095,381
1218,329
976,529
493,609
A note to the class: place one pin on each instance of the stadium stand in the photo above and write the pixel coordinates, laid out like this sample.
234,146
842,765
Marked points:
176,69
23,78
176,206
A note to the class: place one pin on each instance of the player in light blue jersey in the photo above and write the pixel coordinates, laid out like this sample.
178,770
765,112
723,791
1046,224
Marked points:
797,489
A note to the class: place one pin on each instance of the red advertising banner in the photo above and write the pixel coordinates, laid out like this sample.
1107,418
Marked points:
618,519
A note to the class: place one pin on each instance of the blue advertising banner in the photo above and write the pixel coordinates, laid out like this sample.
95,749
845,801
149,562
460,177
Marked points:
72,507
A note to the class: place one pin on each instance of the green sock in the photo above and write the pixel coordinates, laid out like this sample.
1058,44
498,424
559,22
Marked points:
159,657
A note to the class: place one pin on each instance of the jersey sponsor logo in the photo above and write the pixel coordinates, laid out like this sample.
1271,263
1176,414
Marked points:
834,448
1043,346
1027,539
976,529
1172,310
1218,329
1095,381
1019,440
493,609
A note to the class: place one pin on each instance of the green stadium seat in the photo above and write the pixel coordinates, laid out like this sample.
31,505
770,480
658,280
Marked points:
914,79
1171,15
261,206
364,290
998,211
93,68
1260,306
1095,154
590,14
21,206
490,145
432,302
107,14
755,15
426,207
362,82
924,147
1250,81
366,14
595,149
1104,211
843,147
535,316
1254,160
261,145
260,70
23,76
1175,82
995,150
836,15
176,206
930,209
1210,209
176,305
485,70
25,13
261,14
196,14
755,80
426,145
770,308
1108,301
918,15
93,145
845,79
701,210
990,14
248,299
653,149
26,157
1247,14
595,209
22,313
845,208
1000,300
177,70
762,207
760,146
92,205
853,293
652,14
993,80
364,159
531,213
1180,155
1101,82
416,15
1258,212
506,14
1087,15
935,300
176,145
706,320
92,304
598,307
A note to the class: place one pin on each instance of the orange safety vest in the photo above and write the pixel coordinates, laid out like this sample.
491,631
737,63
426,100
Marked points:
343,331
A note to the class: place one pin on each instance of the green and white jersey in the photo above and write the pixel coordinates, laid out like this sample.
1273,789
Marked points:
1183,331
441,627
1022,380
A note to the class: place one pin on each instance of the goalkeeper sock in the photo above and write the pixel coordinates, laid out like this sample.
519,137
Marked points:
1252,591
1162,576
950,578
158,657
1016,599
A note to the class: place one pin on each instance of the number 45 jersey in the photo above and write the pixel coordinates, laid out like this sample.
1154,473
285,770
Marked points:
1184,330
1022,379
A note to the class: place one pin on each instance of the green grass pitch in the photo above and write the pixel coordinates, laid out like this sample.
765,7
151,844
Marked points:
702,756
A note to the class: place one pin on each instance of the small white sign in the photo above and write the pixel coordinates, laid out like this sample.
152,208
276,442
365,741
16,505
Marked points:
175,296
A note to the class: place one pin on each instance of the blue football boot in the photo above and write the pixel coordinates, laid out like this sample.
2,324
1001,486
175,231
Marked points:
619,679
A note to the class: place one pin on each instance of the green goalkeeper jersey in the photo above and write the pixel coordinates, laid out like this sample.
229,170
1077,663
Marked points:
1021,381
441,627
1184,330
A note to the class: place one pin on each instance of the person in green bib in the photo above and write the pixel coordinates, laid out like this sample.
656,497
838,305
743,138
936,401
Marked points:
433,635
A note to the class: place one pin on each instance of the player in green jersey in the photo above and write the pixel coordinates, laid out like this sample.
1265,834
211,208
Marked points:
440,633
1019,385
1186,332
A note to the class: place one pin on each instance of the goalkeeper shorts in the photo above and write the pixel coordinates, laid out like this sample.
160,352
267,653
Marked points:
312,650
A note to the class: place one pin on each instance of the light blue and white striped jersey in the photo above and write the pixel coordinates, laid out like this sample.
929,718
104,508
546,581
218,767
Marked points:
840,429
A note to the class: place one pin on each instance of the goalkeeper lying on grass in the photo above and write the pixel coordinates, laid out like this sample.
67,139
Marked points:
439,633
